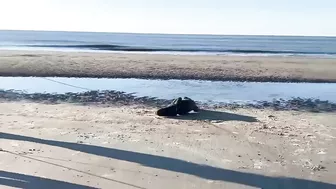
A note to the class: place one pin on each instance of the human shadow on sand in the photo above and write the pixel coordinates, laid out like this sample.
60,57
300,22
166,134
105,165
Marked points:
180,166
210,115
17,180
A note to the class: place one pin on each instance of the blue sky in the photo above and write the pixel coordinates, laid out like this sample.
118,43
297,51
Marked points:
249,17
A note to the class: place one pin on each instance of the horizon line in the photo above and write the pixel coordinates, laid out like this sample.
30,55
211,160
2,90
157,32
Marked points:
159,33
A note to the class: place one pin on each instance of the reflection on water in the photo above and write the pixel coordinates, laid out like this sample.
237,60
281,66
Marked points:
203,91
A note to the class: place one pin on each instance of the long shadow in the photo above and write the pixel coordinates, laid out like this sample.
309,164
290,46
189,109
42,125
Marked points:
18,180
216,116
181,166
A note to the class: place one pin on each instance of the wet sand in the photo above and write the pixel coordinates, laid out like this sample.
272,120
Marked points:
112,65
112,97
128,146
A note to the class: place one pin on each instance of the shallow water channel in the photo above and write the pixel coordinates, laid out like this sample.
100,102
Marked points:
203,91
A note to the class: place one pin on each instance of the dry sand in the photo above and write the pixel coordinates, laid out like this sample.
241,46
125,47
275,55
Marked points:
238,68
72,146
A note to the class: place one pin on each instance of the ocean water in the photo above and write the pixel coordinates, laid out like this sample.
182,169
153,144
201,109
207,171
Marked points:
169,43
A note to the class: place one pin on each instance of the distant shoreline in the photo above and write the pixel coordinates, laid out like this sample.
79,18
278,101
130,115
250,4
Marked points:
158,66
158,33
177,77
124,49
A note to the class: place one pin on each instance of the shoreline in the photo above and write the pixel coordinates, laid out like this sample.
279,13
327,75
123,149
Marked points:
159,66
120,98
174,77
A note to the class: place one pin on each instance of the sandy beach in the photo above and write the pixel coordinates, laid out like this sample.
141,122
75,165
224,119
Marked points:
211,67
75,146
115,141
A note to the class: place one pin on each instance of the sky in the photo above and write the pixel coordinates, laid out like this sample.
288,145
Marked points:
238,17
